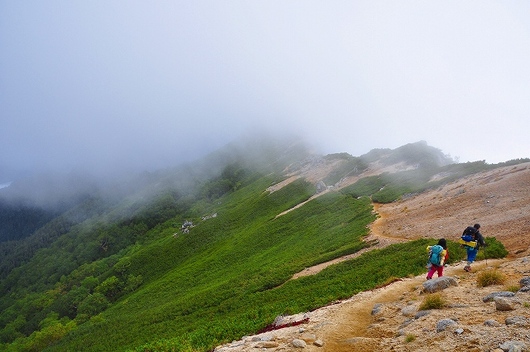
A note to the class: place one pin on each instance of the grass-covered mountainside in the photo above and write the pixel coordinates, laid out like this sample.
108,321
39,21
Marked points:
188,258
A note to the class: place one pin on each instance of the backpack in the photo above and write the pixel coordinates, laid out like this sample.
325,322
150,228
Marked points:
435,255
469,234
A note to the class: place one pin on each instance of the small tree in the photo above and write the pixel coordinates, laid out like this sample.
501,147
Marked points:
133,282
90,283
111,287
93,304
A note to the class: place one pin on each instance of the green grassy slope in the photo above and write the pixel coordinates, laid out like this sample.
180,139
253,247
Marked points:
197,282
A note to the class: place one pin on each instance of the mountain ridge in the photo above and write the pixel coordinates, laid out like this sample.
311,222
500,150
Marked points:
92,271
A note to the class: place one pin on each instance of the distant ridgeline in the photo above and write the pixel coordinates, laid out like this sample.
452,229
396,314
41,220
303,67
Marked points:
20,221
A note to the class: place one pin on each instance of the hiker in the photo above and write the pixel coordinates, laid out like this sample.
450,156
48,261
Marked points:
473,250
438,255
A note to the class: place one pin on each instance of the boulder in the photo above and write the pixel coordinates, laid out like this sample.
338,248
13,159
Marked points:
513,346
443,324
439,284
298,343
504,303
491,296
517,320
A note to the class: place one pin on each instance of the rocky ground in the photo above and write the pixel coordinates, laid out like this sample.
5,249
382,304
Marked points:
389,319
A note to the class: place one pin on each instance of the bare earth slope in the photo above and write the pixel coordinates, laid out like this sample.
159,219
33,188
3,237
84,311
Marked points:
500,201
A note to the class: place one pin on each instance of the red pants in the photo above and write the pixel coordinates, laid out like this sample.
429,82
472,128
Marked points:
439,269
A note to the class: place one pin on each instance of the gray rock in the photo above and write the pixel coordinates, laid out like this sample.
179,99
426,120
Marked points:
525,281
504,304
267,337
377,308
513,346
289,319
439,284
264,337
267,344
408,311
321,186
444,324
422,313
492,322
491,296
517,320
279,320
405,323
318,343
298,343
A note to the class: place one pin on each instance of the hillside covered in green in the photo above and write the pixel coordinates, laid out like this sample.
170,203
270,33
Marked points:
197,256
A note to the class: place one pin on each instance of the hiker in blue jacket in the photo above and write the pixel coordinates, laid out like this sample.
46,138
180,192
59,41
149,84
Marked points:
472,251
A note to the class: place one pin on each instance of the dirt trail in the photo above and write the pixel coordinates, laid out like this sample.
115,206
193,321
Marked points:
353,323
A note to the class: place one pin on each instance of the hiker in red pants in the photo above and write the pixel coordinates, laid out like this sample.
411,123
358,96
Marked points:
438,255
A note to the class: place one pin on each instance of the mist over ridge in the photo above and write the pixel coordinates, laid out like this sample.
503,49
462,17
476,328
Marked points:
46,195
50,189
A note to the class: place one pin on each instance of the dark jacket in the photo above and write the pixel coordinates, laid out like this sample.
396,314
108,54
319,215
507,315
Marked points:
480,240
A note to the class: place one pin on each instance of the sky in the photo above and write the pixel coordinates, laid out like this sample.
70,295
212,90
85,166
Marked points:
132,85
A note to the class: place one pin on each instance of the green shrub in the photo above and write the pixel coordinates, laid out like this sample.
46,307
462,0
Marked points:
47,336
494,250
93,304
512,288
110,287
433,301
490,277
410,338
